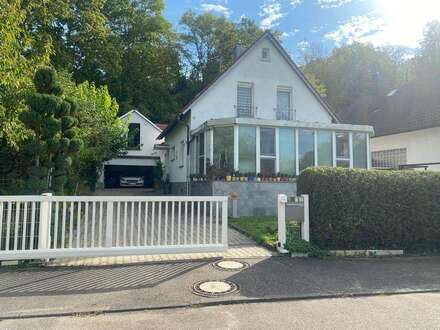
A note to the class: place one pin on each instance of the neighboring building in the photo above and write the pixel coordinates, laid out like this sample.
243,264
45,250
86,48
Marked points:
141,157
261,115
407,128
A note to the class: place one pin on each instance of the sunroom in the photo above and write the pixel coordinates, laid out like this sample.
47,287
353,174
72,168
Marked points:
249,149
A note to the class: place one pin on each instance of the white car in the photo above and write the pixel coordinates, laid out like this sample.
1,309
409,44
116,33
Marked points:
131,181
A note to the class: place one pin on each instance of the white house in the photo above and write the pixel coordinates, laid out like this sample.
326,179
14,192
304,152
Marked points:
140,158
260,116
407,128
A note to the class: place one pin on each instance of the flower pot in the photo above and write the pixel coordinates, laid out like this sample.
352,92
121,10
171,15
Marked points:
228,178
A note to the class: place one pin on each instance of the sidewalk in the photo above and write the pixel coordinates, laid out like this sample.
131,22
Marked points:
65,290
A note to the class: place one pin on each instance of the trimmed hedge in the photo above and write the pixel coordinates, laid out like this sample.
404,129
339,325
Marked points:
369,209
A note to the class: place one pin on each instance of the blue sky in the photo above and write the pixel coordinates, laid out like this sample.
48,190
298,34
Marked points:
329,23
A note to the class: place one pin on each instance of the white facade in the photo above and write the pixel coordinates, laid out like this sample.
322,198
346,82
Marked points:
217,107
421,146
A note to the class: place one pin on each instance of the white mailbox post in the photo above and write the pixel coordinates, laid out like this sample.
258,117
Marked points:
294,208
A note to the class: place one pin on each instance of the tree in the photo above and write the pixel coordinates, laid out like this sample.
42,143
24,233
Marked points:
52,120
103,133
208,44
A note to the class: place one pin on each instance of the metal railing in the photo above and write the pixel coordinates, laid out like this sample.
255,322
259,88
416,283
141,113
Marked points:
246,111
34,227
285,114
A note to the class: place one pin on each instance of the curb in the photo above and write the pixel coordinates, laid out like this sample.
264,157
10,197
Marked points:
220,303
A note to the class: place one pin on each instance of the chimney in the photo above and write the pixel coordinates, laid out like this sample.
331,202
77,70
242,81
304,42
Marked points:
238,50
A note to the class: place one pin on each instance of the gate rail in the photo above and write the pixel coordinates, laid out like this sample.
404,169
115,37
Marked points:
40,227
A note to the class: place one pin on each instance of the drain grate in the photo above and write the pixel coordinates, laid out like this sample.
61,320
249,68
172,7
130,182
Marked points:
230,265
213,289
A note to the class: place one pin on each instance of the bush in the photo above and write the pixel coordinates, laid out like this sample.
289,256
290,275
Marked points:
368,209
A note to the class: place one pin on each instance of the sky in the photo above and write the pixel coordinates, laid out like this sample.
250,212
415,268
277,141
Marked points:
328,23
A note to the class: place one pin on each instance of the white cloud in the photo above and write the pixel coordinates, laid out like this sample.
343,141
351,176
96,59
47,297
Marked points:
317,29
358,28
295,3
303,45
271,14
290,34
332,3
216,8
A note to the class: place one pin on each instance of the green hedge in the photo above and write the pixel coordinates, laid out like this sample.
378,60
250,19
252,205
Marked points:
368,209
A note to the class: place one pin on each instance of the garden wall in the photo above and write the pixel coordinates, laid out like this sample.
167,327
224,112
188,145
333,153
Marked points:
367,209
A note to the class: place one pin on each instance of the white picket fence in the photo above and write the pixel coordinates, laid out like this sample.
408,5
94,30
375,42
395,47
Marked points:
34,227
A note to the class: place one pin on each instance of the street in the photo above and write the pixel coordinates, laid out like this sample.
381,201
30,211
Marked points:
406,311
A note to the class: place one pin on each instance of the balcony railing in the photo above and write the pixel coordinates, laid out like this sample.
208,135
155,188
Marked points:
285,114
245,111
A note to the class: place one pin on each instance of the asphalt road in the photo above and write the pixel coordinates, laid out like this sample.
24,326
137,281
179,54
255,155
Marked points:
409,311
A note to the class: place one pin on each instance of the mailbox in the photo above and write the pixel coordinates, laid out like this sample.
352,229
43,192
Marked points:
295,209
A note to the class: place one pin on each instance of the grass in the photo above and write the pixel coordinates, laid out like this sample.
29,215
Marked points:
264,230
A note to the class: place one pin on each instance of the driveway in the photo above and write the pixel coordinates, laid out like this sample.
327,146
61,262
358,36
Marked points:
58,290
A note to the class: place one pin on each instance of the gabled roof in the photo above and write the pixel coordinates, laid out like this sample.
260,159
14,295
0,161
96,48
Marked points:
143,117
409,108
286,56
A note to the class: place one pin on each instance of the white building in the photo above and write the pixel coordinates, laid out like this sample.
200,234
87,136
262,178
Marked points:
141,157
260,116
407,129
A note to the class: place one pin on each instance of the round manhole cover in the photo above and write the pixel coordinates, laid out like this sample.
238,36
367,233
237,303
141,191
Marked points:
230,265
214,288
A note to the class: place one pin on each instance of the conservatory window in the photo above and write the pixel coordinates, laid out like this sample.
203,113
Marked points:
224,148
325,152
287,150
360,150
267,151
342,149
247,149
306,148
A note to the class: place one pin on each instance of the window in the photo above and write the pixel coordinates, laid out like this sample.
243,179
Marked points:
134,136
267,151
287,150
247,149
201,153
172,153
244,100
325,148
224,148
360,150
388,159
265,54
283,105
342,149
182,153
306,148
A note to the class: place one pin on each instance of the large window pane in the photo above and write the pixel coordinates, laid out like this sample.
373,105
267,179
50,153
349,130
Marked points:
306,148
267,166
325,153
201,153
244,100
246,149
267,141
360,150
224,148
342,149
287,150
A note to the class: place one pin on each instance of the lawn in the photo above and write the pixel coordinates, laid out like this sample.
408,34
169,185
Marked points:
264,230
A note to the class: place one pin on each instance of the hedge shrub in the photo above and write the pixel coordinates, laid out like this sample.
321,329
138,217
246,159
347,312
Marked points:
368,209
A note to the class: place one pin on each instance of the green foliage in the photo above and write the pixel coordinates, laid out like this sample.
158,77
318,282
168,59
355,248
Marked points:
261,229
51,147
366,209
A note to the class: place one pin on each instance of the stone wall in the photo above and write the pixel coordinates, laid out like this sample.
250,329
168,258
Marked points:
254,198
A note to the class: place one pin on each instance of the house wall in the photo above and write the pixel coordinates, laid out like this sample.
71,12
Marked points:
176,169
422,146
220,99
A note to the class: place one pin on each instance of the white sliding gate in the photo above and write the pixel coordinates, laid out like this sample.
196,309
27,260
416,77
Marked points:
34,227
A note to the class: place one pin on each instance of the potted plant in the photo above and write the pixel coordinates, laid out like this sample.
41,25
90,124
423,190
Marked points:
228,177
259,177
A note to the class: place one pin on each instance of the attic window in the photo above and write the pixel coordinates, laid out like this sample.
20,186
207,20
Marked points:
265,54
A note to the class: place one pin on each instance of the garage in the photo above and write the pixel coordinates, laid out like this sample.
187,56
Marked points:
113,173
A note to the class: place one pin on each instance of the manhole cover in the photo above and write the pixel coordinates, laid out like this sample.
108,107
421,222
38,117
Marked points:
214,288
230,265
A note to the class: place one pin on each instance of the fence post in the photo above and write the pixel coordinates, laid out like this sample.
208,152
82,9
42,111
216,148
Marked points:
109,225
282,200
44,226
225,223
305,232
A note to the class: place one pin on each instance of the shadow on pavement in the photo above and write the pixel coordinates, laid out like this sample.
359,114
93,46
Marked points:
74,280
288,277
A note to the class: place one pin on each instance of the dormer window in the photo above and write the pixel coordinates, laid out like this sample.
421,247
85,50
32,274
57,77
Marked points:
265,54
134,136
